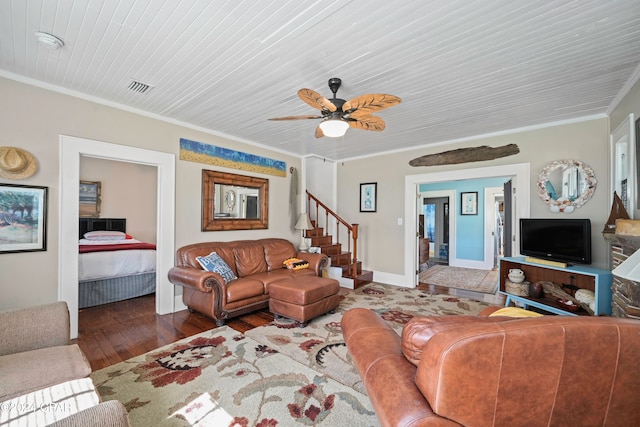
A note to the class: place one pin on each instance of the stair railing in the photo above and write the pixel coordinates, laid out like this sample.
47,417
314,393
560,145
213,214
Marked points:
352,229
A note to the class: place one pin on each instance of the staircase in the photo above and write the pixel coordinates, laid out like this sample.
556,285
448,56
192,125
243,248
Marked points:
321,217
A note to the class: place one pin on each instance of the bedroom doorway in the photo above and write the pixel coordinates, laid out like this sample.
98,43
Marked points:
71,149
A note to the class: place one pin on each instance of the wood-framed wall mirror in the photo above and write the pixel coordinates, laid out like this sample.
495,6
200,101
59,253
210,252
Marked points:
234,202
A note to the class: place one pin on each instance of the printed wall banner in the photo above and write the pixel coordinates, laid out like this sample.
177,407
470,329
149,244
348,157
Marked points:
194,151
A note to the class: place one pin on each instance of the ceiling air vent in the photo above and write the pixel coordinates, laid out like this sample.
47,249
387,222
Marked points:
139,87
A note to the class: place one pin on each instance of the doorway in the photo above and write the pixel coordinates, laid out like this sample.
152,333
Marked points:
436,228
494,224
71,149
520,176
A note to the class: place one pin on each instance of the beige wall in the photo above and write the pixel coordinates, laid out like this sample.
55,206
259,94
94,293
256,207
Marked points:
584,141
128,191
33,118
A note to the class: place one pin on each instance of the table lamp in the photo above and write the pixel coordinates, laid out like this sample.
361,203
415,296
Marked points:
304,223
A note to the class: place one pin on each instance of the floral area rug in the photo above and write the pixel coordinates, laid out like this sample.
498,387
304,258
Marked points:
224,378
471,279
320,344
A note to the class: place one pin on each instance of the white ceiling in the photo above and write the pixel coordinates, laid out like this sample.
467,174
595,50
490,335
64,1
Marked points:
462,68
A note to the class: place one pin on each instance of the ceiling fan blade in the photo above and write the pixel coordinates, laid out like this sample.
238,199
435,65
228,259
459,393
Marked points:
295,118
319,133
315,100
370,103
368,123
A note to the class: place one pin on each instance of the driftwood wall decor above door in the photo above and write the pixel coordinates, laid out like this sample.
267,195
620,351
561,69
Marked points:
465,155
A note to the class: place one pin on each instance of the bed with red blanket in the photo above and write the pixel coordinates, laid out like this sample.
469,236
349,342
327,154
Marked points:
112,266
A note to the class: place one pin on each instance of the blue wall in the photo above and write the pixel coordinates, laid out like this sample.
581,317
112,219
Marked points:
469,228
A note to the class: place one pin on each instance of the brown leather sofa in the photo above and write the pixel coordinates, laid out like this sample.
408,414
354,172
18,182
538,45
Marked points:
256,263
498,371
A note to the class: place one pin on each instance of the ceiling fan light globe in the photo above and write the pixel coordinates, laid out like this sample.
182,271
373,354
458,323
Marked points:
334,128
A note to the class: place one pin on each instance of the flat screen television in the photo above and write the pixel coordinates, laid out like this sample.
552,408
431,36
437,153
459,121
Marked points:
564,240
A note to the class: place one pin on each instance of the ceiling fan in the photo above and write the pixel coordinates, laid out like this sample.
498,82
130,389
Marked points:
338,115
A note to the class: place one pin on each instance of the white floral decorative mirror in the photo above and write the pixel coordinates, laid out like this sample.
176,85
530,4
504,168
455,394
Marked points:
566,184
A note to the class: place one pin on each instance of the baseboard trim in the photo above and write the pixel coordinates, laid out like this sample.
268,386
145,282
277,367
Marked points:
468,263
391,279
178,305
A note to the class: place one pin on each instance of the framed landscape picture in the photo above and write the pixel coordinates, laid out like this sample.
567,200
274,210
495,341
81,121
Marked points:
23,218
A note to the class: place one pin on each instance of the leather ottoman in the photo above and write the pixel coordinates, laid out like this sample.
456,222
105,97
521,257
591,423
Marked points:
303,298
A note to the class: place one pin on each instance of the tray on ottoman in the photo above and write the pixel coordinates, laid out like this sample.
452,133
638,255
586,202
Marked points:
303,298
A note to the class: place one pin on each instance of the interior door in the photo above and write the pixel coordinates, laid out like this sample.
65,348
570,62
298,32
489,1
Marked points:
252,207
494,224
508,231
436,227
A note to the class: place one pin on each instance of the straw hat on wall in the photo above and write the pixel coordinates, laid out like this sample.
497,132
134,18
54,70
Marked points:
16,163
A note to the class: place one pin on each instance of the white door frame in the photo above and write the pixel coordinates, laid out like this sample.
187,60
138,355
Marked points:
71,149
623,161
490,224
521,182
451,195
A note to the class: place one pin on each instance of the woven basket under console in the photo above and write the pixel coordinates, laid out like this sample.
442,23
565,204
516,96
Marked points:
519,289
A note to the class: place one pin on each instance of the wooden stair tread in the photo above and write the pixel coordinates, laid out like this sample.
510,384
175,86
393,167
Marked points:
363,278
343,258
339,258
315,232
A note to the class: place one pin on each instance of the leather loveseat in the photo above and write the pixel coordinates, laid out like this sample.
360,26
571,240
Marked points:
498,371
255,263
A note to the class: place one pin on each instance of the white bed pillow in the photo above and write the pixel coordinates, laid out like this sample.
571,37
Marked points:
105,235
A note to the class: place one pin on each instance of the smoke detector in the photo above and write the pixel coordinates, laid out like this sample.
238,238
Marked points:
49,40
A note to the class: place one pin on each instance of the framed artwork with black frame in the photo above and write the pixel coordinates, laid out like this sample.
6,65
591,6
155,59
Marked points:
23,218
469,203
368,197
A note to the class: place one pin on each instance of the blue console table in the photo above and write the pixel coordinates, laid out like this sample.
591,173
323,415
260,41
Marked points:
595,279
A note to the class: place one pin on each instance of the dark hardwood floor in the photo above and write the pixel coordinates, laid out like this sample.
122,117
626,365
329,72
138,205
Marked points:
115,332
111,333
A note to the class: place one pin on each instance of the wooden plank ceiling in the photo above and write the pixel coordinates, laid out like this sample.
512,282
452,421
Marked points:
462,68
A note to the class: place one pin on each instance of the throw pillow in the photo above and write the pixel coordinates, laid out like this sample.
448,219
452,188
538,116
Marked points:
515,312
213,262
295,264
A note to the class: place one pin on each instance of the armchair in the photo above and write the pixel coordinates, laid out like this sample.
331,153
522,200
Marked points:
32,341
40,367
